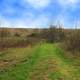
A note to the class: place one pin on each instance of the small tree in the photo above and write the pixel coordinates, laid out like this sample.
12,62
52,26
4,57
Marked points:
55,34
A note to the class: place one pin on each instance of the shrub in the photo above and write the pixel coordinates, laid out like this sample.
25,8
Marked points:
34,34
17,35
72,41
54,34
4,33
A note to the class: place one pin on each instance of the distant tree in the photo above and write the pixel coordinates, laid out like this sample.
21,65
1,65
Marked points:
51,33
55,34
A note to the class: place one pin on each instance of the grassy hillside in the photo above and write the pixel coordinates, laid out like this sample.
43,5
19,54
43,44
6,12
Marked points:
43,62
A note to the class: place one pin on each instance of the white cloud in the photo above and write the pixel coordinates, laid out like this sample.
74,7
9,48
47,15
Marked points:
4,22
68,3
39,3
64,21
39,22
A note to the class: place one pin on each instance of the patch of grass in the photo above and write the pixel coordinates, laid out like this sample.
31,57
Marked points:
42,62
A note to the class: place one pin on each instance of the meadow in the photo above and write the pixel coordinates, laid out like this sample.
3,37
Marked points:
38,56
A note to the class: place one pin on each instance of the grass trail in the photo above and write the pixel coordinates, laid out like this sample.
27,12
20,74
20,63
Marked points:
44,62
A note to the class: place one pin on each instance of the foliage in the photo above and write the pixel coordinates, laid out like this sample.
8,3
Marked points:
53,34
72,41
4,33
43,62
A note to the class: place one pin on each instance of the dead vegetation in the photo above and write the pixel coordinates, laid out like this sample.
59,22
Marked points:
69,38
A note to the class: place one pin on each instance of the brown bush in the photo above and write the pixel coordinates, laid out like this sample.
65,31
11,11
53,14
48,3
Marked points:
53,34
4,33
72,41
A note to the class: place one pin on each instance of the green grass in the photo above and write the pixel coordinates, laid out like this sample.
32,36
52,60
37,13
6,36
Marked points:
43,62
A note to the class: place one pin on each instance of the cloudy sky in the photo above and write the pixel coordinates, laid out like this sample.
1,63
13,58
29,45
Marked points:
39,13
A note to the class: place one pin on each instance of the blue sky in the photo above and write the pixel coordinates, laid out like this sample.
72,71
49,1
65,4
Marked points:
39,13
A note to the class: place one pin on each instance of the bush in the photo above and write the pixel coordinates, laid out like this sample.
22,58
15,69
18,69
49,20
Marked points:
54,34
4,33
17,35
72,41
34,34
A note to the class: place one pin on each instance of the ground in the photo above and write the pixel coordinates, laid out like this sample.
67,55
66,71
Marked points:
42,62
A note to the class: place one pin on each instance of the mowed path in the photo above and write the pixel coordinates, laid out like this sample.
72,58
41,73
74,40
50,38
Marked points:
45,62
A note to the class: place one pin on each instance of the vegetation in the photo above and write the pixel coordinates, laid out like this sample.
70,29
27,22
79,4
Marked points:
72,41
43,62
40,54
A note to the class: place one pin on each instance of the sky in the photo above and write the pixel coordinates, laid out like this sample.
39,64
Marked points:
39,13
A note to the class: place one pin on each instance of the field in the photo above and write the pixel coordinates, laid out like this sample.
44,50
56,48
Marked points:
39,39
45,61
